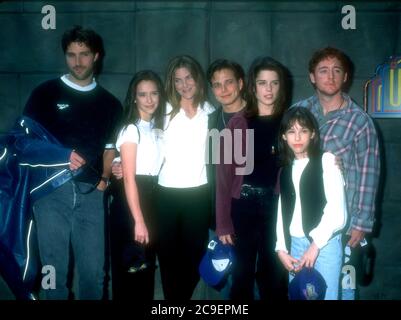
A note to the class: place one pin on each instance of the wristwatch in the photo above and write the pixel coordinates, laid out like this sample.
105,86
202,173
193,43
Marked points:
105,180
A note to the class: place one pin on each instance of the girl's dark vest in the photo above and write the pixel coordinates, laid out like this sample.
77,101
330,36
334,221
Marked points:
313,199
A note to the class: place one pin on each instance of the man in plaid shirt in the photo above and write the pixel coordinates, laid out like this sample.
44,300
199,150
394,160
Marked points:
349,133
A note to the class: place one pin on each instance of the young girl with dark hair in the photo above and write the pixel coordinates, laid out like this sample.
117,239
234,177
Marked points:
312,207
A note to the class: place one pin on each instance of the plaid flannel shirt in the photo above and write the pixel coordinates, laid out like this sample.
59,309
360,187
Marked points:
349,133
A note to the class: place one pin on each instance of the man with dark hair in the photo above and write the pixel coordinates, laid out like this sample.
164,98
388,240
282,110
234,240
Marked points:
223,64
324,53
349,133
227,80
90,38
83,116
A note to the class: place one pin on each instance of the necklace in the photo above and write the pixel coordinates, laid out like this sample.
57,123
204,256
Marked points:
340,106
342,102
222,112
222,118
325,111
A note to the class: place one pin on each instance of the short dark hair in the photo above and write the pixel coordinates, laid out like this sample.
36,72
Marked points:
261,64
90,38
221,64
306,119
236,68
329,52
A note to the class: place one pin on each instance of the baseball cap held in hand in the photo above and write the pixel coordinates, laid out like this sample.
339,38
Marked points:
216,263
308,284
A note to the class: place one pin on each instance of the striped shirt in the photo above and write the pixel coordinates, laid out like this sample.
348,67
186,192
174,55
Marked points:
349,133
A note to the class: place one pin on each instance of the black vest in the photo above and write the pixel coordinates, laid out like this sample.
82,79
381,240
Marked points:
313,198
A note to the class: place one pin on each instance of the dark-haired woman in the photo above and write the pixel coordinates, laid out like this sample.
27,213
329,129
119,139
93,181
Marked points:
132,235
255,223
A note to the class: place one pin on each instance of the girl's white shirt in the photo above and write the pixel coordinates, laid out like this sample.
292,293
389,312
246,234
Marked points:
149,156
334,214
184,148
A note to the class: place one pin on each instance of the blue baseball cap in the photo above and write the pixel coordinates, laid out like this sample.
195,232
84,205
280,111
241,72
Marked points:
217,262
308,284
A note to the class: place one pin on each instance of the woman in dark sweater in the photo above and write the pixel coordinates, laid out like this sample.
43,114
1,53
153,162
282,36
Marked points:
254,218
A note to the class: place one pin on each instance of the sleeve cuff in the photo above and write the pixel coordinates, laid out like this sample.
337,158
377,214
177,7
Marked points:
110,146
362,224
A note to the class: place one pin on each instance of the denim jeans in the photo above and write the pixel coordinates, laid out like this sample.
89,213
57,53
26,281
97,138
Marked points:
348,276
328,262
71,225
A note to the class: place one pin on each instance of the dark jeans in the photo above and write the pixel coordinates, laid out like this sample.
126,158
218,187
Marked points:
125,251
183,219
70,229
254,220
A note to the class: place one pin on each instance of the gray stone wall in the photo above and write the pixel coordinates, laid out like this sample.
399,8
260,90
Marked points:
146,34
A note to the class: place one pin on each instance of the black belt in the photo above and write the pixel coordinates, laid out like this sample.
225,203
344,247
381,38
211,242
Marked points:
251,192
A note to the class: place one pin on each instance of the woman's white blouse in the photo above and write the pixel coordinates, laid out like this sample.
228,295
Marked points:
184,149
149,154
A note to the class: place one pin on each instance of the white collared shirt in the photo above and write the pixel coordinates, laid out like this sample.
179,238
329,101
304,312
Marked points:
184,149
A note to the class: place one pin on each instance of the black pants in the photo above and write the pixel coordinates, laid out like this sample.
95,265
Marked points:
183,219
254,222
139,285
